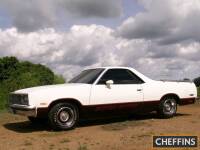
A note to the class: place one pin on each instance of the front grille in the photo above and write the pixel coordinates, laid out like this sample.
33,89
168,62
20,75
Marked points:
21,99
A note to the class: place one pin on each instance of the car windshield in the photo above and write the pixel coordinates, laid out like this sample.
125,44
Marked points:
87,76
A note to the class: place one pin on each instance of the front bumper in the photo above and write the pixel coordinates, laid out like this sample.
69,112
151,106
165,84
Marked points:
24,110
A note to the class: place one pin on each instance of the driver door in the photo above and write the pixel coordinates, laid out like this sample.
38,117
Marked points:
126,90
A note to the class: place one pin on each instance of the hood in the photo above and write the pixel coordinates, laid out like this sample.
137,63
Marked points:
48,87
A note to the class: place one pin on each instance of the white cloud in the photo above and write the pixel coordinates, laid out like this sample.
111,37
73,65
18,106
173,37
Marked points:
165,22
82,46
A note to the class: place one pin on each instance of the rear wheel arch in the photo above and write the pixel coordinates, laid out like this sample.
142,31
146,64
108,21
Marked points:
177,98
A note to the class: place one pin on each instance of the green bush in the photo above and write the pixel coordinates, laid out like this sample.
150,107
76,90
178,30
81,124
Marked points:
198,91
17,75
3,96
58,79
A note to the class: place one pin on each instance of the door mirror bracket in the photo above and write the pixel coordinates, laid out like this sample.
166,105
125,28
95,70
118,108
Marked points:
109,83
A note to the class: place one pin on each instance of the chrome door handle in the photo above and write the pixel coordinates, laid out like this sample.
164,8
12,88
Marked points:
139,89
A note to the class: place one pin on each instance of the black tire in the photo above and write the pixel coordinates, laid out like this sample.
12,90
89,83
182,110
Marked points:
63,116
167,107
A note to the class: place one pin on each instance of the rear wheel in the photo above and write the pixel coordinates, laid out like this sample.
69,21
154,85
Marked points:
167,107
63,116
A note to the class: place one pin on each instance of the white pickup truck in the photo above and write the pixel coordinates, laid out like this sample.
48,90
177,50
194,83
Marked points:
101,89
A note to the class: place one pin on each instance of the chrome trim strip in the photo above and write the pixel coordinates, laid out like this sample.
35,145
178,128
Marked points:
18,106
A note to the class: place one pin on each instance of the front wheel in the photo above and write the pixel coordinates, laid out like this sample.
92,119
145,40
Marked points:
63,116
167,107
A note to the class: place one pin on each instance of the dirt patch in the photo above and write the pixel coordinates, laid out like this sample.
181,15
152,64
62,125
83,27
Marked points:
124,125
127,133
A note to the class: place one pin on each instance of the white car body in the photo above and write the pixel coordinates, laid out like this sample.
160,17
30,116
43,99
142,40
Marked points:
102,97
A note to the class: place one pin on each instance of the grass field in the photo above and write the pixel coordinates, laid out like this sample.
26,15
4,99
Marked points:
198,91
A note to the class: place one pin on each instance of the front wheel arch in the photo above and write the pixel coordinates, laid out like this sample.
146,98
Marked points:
65,100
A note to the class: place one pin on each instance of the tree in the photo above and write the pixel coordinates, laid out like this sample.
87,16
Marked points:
15,74
197,81
7,67
58,79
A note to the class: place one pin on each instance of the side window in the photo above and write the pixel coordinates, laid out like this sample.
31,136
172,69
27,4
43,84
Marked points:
120,76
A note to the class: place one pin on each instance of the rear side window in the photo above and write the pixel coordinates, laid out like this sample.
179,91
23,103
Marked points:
120,76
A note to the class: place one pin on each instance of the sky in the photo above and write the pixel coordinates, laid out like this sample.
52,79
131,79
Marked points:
160,38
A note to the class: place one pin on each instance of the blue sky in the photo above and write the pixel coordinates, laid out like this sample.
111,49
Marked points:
5,20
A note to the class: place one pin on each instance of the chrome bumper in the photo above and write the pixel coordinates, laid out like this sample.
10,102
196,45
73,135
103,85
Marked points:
23,110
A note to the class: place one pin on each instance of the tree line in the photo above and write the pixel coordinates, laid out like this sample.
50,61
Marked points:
15,74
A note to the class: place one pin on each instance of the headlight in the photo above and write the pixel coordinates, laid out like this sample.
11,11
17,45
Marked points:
24,99
21,99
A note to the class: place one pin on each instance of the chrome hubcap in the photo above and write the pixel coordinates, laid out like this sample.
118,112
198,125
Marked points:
64,116
170,106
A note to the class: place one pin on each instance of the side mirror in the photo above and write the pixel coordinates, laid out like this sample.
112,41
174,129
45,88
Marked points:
109,83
